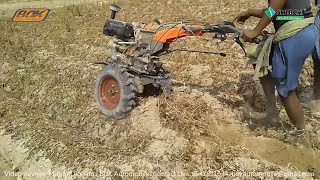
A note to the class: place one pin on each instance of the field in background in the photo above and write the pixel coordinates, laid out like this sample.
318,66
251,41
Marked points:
9,7
47,78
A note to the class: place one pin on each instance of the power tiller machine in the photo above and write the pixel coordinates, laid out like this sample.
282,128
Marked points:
136,49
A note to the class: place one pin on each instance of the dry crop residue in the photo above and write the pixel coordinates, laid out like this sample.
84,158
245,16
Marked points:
46,96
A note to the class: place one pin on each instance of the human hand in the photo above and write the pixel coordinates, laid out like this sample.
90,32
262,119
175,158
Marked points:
249,35
242,17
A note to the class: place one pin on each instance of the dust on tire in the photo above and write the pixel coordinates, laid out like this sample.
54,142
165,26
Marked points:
127,90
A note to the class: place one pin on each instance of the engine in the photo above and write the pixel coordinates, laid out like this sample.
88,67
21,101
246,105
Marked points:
118,29
121,30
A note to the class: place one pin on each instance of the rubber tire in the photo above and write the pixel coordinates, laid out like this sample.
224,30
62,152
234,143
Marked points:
128,91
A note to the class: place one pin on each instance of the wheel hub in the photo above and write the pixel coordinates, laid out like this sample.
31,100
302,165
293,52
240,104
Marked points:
109,92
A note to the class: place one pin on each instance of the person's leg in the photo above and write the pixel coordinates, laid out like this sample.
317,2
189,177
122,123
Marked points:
316,60
269,91
294,110
314,103
316,88
294,57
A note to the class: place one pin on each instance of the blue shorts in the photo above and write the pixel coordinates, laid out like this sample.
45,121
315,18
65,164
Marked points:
288,57
317,23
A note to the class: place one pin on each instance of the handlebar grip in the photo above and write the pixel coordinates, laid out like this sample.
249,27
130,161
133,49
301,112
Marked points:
256,40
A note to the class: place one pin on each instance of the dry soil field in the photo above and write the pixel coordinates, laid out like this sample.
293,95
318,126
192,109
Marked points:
49,121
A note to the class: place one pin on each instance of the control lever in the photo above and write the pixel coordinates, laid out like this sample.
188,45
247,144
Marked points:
236,38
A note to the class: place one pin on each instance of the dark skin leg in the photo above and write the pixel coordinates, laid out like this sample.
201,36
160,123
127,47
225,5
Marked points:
316,89
269,91
294,110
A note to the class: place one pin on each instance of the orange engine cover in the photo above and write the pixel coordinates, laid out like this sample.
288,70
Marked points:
167,36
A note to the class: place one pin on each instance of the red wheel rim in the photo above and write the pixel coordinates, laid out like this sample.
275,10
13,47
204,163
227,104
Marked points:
109,92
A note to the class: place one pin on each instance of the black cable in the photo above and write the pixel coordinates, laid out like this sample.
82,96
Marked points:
204,52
